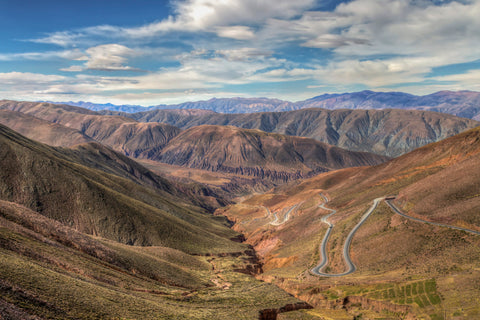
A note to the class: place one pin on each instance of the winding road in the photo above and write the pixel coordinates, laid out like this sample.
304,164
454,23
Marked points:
275,222
346,248
397,211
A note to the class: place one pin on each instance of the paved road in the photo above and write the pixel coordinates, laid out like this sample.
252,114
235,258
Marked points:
275,222
397,211
346,248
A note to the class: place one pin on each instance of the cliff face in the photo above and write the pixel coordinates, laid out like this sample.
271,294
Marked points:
271,314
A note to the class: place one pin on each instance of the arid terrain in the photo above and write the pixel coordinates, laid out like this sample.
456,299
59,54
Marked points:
394,256
217,221
240,160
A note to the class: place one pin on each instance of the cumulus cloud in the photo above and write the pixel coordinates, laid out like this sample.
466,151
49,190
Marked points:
198,15
374,43
226,18
109,57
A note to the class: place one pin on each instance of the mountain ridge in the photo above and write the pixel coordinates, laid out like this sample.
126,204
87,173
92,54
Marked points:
389,132
460,103
147,140
63,187
254,152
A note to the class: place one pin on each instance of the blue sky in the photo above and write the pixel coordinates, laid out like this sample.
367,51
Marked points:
151,52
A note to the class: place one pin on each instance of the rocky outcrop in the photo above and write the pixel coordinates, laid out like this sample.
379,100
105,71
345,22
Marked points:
271,314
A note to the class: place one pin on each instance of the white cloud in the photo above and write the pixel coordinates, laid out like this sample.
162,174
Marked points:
227,18
243,54
333,41
109,57
202,14
60,38
14,78
75,54
73,69
465,81
236,32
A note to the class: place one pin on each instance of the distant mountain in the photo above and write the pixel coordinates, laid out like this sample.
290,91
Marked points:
105,106
386,132
360,100
460,103
234,105
224,105
257,153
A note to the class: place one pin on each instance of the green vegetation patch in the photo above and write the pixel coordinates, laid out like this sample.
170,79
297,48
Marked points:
422,293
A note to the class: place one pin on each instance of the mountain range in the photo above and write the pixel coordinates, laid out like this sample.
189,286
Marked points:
257,153
389,132
240,151
173,214
460,103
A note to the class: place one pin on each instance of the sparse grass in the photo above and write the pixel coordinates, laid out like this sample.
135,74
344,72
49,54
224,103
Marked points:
54,281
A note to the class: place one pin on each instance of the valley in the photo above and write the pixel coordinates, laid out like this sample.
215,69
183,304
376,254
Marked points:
240,160
307,214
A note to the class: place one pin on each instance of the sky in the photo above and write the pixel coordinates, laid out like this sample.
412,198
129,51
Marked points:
150,52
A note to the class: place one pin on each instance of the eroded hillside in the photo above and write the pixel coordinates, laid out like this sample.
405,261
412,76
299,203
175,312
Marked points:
393,254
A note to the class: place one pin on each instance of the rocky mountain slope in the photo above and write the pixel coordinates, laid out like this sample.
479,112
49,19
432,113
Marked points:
385,132
44,131
271,157
438,182
121,134
59,184
88,233
257,153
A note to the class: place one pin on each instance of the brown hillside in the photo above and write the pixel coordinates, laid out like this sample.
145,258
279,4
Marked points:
439,182
256,153
42,130
57,185
121,134
52,271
